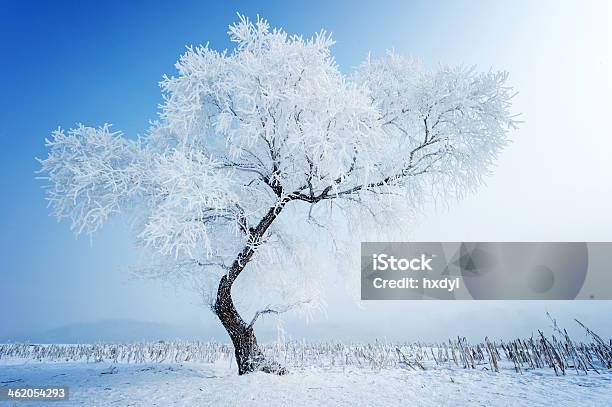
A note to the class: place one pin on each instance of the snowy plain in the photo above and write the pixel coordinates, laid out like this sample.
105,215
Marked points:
217,384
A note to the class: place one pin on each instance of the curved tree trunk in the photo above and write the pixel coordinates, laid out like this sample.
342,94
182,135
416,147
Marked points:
248,355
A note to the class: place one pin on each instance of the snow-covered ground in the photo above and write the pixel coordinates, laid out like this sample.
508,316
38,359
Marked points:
191,384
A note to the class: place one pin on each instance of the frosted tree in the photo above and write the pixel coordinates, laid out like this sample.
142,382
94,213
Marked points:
249,142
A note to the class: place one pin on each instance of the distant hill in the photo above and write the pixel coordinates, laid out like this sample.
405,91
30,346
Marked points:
115,330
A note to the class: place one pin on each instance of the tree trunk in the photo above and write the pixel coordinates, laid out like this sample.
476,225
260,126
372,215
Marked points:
248,355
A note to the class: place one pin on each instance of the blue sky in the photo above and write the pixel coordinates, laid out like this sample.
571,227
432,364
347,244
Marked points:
69,62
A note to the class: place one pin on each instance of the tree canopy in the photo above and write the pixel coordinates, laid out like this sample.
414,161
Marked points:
242,134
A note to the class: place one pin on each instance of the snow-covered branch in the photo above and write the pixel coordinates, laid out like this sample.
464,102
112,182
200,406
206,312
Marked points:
279,309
